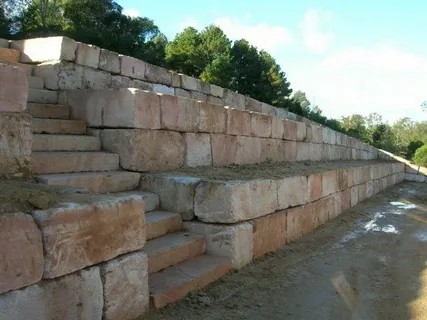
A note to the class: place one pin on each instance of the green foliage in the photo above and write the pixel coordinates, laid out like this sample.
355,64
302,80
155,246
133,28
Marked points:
420,156
413,146
4,22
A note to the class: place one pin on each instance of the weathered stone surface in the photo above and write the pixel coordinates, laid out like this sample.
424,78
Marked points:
179,114
346,199
198,150
199,96
158,150
337,205
300,221
301,134
80,235
182,93
315,187
21,254
415,177
158,74
160,223
270,110
143,85
204,87
238,122
303,151
212,118
253,105
261,125
269,233
109,61
370,189
54,48
87,55
230,202
188,83
272,150
4,43
315,151
290,130
96,79
60,75
216,91
176,193
277,128
13,89
234,242
354,196
342,179
125,286
35,82
132,67
362,192
75,296
248,150
292,191
15,146
290,151
224,149
214,100
176,80
234,100
118,82
329,183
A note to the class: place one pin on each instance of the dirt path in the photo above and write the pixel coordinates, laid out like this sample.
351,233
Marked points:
370,263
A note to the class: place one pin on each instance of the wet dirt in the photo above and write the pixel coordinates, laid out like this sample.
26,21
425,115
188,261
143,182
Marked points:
369,263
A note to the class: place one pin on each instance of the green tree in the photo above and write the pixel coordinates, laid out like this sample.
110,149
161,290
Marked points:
355,126
420,157
4,22
413,146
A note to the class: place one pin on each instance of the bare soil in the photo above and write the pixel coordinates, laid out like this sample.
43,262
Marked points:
369,263
269,170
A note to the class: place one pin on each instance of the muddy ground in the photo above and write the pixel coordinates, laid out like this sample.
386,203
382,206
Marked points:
369,263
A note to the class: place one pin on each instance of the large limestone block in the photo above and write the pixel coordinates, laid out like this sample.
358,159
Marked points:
238,122
224,149
161,88
272,150
131,67
198,151
80,235
212,118
292,191
301,134
46,49
342,179
60,75
329,183
261,125
179,114
248,150
125,286
315,151
215,100
198,96
157,74
362,192
176,193
300,221
234,201
116,108
269,233
13,89
15,144
87,55
21,253
189,83
234,242
118,82
96,79
145,150
314,187
290,151
216,91
253,105
75,296
290,130
277,128
182,93
303,151
109,61
324,209
234,100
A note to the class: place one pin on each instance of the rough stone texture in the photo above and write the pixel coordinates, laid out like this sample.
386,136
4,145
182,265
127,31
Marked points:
161,88
21,253
270,110
253,105
125,286
261,125
269,233
176,193
362,192
224,149
290,151
234,242
238,122
4,43
60,75
54,48
290,130
329,183
301,134
300,221
188,83
176,80
143,85
157,150
215,100
76,236
132,67
303,151
198,149
292,191
13,89
216,91
212,119
96,79
157,74
118,82
232,202
315,151
15,144
342,179
87,55
76,296
272,150
354,196
198,96
109,61
346,199
315,187
182,93
278,128
179,114
234,100
248,150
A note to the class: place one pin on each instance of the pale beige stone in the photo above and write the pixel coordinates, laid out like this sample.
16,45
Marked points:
238,122
157,74
261,125
272,150
13,89
176,80
143,85
234,100
301,131
303,151
96,79
216,91
270,110
188,83
182,93
248,150
132,67
224,149
161,88
87,55
109,61
315,151
278,128
198,149
253,105
329,183
292,191
354,196
199,96
212,118
214,100
118,82
60,75
179,114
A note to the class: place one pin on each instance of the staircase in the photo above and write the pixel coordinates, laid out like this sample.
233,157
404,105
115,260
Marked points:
64,154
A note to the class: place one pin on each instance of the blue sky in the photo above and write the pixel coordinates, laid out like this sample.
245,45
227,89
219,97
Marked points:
348,56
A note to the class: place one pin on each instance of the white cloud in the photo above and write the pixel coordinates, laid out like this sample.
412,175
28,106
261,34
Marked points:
315,39
362,80
131,12
269,38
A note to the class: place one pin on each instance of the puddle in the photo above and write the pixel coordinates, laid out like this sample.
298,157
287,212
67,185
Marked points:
401,205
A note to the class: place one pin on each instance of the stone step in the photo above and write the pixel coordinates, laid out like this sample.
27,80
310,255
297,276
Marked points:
42,96
66,162
151,200
9,55
59,142
48,111
95,182
173,248
160,223
176,282
56,126
4,43
28,69
35,82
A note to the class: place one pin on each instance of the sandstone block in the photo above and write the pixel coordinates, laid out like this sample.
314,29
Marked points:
179,114
198,149
132,67
314,187
212,119
188,83
125,286
60,75
277,128
370,189
362,192
109,61
160,223
292,191
270,110
301,134
87,55
204,87
346,199
158,74
329,183
224,149
176,193
75,296
248,150
337,206
143,85
272,150
215,100
290,151
236,201
300,221
253,105
13,89
176,80
198,96
216,91
80,235
118,82
290,130
182,93
342,179
96,79
303,151
315,151
238,122
317,134
234,100
261,125
269,233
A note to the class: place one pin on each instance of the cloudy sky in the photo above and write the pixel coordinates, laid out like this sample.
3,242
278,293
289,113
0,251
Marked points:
348,56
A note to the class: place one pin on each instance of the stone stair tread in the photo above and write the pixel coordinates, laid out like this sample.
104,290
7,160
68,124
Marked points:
8,55
151,200
65,142
48,111
95,182
58,126
35,82
160,223
66,162
173,248
42,96
174,283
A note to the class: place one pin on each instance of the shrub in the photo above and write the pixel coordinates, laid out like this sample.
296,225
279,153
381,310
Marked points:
420,157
